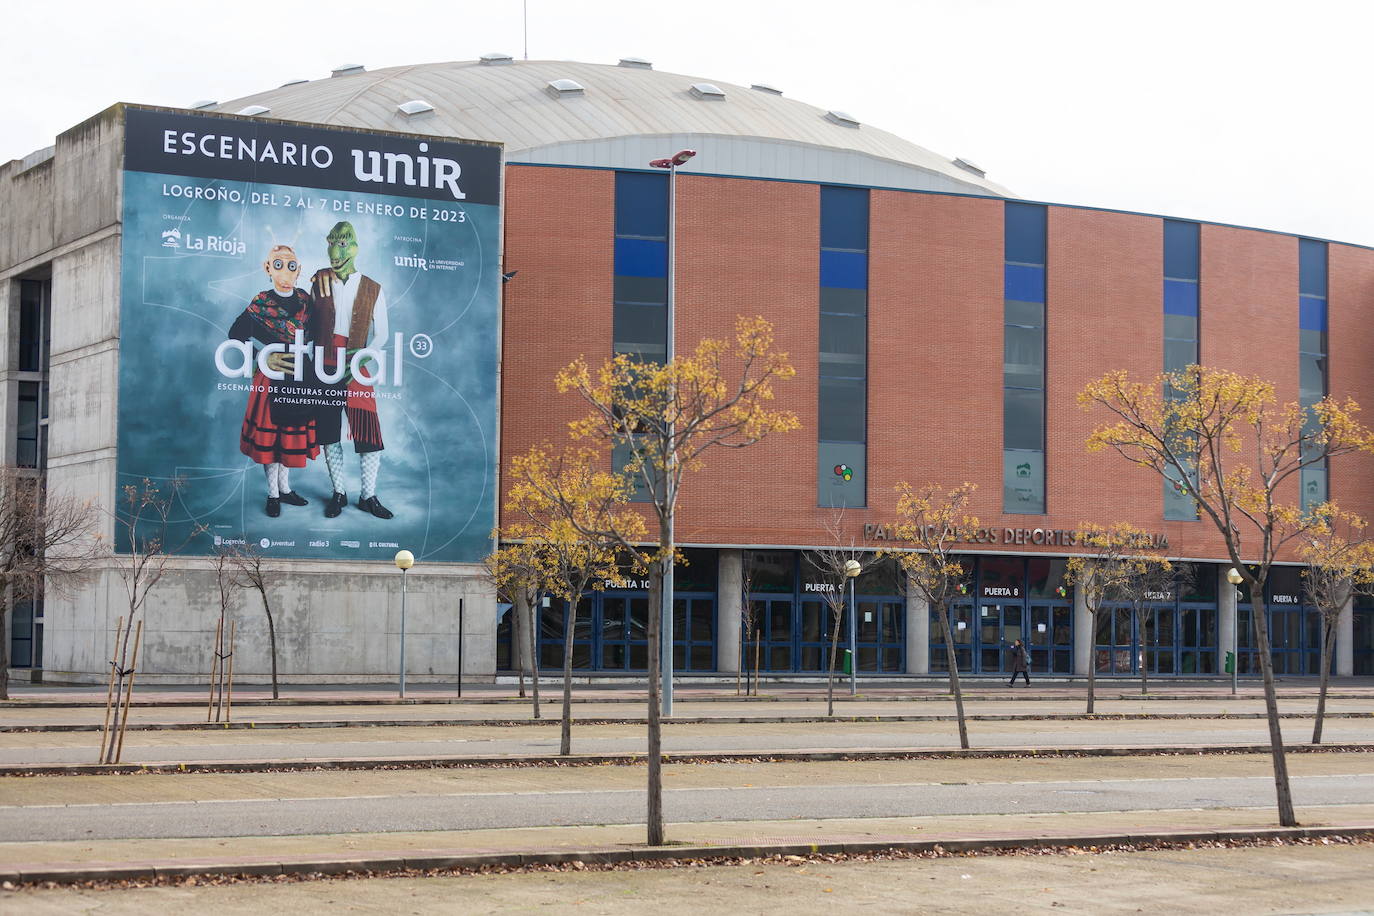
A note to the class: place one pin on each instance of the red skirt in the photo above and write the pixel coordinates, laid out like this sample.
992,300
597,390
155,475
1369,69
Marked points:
266,442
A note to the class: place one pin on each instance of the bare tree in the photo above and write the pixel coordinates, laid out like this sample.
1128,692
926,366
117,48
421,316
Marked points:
249,572
221,662
48,542
143,518
835,566
748,623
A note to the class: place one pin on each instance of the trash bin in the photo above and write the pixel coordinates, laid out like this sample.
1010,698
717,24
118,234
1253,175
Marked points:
848,661
1230,663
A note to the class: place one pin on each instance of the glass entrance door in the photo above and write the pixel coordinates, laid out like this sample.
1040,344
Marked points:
999,625
1050,638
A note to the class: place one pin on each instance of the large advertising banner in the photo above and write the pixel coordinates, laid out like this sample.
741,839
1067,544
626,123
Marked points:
308,336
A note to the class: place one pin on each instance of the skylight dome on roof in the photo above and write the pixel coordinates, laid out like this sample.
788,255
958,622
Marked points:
347,70
203,104
765,87
497,57
253,110
635,63
414,107
842,118
564,87
707,91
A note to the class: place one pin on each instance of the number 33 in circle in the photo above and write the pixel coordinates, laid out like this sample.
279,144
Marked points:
421,346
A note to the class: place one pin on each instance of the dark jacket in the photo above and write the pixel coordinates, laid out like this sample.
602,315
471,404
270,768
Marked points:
1020,660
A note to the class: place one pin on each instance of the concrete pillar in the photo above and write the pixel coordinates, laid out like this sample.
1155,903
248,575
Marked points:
729,582
1084,633
1345,639
917,631
1226,618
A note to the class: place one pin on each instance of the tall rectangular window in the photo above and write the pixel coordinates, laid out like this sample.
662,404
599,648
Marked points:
31,440
640,326
842,452
1313,378
1182,270
1023,361
640,323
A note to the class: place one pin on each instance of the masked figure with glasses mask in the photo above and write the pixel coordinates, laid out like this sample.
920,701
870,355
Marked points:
274,437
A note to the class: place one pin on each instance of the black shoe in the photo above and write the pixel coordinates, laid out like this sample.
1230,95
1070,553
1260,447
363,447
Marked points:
335,504
376,508
292,498
273,507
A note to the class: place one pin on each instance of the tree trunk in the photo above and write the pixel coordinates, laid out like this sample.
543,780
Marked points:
569,627
1092,662
1282,789
654,814
952,663
532,648
1144,654
758,652
1328,638
830,676
519,643
4,643
271,643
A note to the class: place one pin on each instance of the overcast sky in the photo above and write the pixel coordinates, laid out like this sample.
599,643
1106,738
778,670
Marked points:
1255,113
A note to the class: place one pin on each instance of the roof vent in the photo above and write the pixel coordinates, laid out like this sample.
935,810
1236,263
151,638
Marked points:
635,63
414,108
969,167
562,89
292,83
492,58
203,104
842,118
707,91
347,70
253,110
764,87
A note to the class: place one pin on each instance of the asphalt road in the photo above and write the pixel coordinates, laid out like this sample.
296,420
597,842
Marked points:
473,811
421,741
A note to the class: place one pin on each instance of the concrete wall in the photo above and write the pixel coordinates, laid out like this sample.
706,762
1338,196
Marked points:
335,622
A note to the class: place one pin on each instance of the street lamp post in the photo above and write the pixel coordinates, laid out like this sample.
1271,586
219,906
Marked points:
851,572
404,560
666,615
1235,578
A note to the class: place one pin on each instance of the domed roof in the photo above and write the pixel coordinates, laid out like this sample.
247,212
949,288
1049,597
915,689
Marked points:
564,113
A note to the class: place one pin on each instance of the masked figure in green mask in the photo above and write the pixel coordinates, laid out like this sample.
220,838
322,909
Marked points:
349,312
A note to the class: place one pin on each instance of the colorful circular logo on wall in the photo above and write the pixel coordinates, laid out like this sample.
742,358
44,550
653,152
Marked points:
845,471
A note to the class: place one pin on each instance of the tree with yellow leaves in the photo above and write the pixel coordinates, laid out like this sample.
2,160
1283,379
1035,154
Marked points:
1340,562
517,572
1118,557
665,418
1243,453
933,521
571,513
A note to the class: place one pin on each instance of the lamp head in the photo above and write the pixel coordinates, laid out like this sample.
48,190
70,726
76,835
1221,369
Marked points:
852,568
404,560
1234,577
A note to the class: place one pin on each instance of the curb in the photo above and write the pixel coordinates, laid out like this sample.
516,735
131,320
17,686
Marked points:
631,759
974,697
668,855
669,720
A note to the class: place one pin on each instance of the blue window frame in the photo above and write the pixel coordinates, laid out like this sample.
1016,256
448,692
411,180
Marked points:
1313,364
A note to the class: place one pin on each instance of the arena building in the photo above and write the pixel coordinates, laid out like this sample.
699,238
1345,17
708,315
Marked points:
941,326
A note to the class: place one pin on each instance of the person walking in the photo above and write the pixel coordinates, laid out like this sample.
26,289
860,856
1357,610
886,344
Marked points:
1020,663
